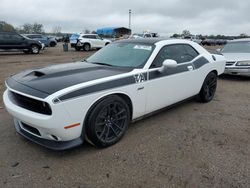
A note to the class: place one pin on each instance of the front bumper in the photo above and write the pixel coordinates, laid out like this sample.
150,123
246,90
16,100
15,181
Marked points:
51,144
49,130
243,71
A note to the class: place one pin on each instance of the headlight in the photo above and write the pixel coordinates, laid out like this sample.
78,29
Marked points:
243,63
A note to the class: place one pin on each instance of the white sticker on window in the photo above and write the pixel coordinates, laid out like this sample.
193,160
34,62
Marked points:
143,47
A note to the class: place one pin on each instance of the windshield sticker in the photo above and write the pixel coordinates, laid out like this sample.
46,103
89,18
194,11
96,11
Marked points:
143,47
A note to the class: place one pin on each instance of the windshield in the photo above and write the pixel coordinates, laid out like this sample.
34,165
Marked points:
237,47
122,55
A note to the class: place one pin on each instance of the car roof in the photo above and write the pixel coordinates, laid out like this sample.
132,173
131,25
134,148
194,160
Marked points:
152,41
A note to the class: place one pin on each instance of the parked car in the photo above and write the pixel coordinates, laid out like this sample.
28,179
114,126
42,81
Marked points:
95,100
193,38
73,39
209,42
90,41
48,41
237,54
213,42
141,35
15,41
58,39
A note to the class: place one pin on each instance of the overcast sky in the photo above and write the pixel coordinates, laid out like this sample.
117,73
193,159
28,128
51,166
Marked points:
229,17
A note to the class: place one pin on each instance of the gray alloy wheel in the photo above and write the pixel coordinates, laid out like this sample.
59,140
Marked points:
108,121
34,49
86,47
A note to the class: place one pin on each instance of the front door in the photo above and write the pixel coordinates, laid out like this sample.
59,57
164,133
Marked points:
174,84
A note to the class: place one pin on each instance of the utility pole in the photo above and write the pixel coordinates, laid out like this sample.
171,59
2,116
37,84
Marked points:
129,25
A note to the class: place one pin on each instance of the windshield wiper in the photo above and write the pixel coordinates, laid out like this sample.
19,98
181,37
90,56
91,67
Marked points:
102,64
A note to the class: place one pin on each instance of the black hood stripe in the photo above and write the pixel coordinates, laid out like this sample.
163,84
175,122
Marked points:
13,84
98,87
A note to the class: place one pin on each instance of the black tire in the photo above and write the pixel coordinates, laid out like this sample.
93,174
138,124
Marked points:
86,47
108,121
107,44
26,51
52,44
34,49
208,88
77,48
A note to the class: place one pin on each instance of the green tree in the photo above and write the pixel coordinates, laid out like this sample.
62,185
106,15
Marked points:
6,27
186,33
37,28
243,35
30,28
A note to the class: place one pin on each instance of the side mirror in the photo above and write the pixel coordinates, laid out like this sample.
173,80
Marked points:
168,63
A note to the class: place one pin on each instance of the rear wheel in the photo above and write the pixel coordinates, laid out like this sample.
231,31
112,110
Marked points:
34,49
86,47
208,88
108,121
52,44
107,44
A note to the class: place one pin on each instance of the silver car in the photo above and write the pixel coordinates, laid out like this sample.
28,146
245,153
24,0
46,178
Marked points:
237,54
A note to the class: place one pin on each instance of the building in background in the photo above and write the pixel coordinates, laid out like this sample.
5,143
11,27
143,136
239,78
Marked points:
116,32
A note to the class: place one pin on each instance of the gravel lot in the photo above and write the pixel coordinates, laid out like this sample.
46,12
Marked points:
191,145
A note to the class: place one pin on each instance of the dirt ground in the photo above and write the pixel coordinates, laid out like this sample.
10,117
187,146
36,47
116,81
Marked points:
191,145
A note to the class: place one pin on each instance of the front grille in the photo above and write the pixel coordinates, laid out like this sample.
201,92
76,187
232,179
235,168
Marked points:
230,63
31,129
30,104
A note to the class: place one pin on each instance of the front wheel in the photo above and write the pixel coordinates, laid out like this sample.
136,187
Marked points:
108,121
208,88
34,49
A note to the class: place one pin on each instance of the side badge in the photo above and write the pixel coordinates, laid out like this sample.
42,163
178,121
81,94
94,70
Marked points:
139,78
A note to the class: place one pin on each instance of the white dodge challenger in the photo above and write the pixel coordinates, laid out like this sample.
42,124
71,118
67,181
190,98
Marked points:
95,100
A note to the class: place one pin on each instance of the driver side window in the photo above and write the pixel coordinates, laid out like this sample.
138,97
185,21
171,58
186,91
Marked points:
181,53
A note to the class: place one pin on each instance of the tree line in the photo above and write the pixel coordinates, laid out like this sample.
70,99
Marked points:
28,28
187,33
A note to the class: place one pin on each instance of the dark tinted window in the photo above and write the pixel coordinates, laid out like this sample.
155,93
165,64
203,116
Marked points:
179,52
92,36
191,53
88,36
16,37
2,36
10,36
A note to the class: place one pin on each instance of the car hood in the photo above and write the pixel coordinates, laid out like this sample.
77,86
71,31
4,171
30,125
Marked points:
237,56
54,78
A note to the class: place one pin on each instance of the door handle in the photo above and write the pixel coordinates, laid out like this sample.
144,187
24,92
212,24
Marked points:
190,68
